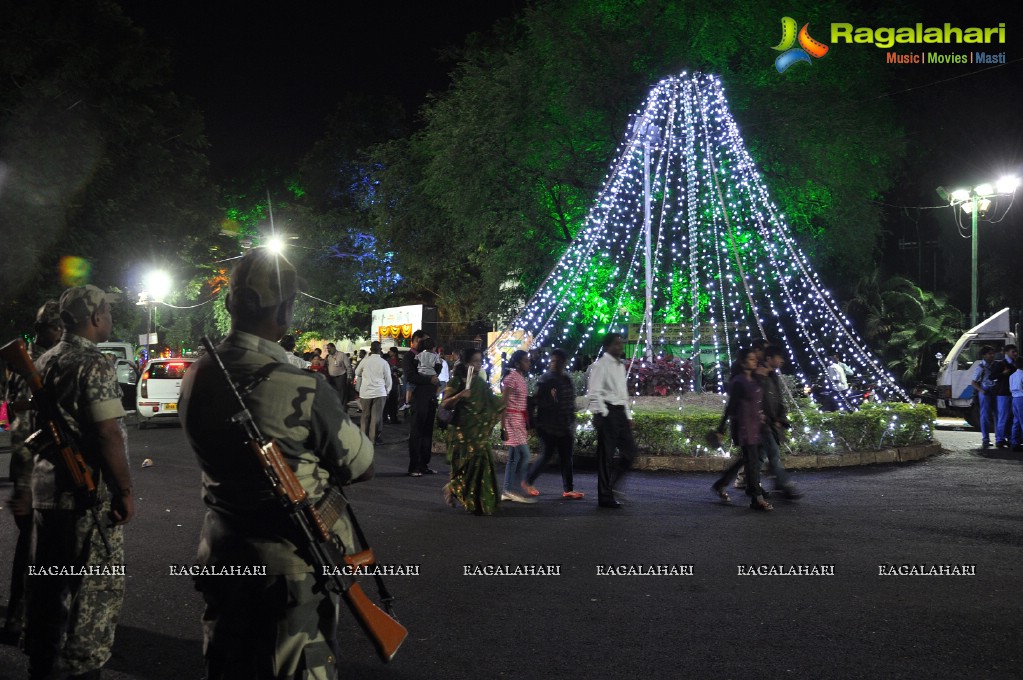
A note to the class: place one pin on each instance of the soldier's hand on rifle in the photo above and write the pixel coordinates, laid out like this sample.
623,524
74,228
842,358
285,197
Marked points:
122,507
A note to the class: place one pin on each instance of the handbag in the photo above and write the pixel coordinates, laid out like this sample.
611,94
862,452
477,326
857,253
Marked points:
447,416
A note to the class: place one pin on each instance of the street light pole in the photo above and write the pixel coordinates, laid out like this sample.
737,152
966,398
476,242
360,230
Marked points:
974,248
975,200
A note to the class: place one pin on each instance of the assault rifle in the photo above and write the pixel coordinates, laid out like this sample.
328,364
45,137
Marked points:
55,432
314,522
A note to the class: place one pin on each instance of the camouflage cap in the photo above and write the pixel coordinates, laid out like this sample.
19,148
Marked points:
270,276
49,314
79,303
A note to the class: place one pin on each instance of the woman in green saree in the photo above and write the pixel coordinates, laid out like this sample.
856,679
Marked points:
473,480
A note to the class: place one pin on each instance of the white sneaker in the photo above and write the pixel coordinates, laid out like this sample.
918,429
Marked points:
404,407
515,498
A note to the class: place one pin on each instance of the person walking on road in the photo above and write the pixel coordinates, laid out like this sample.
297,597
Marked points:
391,405
608,401
373,377
338,370
555,423
424,411
473,481
516,428
776,420
745,412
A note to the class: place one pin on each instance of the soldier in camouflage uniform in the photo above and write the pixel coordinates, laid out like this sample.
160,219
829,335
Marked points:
80,609
283,624
48,329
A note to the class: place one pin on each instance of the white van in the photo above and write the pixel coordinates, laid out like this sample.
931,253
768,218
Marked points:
955,392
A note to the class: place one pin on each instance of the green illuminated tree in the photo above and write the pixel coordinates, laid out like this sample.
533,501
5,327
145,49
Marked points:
513,153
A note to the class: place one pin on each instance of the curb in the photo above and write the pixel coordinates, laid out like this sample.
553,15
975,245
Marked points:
902,454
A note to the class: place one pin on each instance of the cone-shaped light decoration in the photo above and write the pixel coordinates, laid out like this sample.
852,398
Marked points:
726,269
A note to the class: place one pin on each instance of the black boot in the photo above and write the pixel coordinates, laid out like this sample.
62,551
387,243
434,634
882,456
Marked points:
42,669
88,675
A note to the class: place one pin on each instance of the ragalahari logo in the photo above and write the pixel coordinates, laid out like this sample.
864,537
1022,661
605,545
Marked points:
808,47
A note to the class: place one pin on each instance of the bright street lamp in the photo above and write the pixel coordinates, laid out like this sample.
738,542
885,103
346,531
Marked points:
973,202
156,285
275,244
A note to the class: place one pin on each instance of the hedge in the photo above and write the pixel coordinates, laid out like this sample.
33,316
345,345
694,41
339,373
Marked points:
873,427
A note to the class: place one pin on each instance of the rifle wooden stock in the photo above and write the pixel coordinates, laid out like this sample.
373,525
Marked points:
15,353
364,558
73,461
386,633
288,488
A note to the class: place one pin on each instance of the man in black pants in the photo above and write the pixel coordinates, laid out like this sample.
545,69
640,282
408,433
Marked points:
555,423
391,406
424,411
612,419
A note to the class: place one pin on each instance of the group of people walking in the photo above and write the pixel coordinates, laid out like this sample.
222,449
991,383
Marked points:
756,412
477,410
758,417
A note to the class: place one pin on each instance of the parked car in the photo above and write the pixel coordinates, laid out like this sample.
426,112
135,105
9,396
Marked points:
159,389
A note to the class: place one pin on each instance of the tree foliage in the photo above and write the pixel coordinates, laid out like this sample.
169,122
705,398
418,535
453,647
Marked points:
904,323
511,156
100,161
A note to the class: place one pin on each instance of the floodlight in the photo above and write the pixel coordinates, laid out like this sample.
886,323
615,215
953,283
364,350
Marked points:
1007,184
158,284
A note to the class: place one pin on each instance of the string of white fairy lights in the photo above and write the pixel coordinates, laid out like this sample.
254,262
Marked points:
727,269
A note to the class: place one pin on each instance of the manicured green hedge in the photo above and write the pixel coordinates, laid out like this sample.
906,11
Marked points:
873,427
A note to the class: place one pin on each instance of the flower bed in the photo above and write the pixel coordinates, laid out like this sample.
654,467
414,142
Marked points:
664,430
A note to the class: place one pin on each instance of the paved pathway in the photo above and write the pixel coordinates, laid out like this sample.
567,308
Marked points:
961,508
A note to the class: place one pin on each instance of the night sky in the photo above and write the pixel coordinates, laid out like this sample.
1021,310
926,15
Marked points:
266,78
266,75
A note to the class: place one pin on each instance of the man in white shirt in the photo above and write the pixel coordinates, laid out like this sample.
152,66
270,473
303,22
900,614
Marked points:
373,376
338,370
837,376
608,401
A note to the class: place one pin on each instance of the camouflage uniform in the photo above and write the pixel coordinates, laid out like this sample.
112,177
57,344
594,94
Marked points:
82,610
282,625
21,473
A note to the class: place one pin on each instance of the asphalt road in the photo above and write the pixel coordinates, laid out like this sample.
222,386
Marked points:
960,508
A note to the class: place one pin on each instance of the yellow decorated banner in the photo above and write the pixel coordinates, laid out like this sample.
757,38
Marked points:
384,331
406,330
